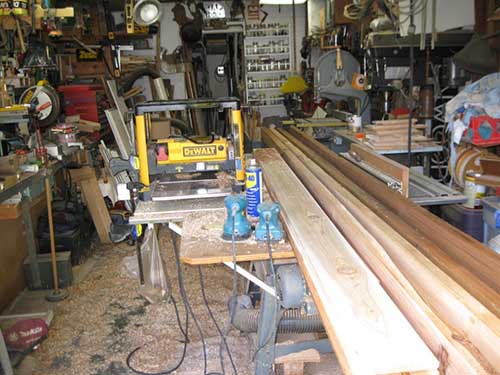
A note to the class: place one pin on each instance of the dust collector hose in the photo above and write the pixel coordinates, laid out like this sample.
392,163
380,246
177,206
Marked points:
293,321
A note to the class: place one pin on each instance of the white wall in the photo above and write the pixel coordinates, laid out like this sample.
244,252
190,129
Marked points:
170,38
450,14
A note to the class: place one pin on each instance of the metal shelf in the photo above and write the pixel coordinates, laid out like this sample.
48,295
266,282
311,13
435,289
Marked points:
268,54
269,72
267,36
269,105
265,89
263,43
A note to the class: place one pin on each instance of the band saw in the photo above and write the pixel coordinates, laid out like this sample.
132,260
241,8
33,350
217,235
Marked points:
337,77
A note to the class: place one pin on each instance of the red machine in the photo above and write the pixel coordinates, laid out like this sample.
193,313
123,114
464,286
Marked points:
84,100
483,131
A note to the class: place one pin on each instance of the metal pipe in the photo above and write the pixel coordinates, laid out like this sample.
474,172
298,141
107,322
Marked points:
410,96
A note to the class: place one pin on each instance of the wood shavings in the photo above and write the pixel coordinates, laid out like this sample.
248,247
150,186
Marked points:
105,318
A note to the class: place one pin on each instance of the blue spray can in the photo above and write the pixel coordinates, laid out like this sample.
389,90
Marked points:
253,183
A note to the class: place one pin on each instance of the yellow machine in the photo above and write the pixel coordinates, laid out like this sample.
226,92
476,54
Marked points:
160,162
181,150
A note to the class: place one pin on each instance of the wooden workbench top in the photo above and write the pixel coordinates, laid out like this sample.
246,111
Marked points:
202,242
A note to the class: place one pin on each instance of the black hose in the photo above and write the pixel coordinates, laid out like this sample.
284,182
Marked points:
292,321
178,124
128,81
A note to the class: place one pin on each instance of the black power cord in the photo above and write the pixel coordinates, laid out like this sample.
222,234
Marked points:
185,342
205,300
189,311
234,295
187,305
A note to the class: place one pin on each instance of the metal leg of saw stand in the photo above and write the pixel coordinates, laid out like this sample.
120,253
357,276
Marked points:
267,330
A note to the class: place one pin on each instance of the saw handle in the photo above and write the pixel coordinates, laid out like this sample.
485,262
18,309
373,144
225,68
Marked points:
339,59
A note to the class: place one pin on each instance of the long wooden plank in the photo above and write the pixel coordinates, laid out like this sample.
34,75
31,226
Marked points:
368,332
388,166
406,264
95,202
483,262
468,280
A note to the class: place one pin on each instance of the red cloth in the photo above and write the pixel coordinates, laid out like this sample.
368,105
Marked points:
25,334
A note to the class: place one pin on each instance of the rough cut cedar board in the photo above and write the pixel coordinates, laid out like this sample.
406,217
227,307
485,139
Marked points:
388,166
202,242
368,332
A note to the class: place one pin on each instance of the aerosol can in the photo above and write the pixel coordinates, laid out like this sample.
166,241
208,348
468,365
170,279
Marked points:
253,183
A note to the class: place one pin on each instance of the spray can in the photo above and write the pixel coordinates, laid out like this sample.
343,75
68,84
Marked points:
253,183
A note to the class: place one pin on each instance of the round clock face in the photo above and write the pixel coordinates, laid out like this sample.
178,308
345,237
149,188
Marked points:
216,10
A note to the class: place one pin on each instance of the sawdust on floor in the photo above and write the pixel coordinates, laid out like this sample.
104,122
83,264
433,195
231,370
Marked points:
105,318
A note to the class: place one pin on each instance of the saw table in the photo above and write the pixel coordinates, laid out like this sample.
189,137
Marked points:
202,221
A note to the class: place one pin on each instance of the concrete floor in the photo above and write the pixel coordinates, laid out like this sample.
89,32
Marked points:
105,318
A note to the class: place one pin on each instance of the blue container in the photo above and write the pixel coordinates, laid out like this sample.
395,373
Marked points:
253,183
491,218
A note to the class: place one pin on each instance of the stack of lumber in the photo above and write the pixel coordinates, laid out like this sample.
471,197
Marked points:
350,232
393,135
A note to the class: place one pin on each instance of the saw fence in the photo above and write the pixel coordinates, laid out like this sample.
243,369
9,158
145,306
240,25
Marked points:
357,242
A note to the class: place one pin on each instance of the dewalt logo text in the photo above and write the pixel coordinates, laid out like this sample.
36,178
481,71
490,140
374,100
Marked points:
199,151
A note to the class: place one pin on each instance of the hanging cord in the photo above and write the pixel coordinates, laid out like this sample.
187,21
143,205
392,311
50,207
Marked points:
205,300
185,300
184,331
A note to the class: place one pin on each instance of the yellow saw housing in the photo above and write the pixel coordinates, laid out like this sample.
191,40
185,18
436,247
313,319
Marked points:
186,151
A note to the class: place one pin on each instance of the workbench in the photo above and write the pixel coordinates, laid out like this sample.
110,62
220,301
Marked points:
23,185
202,221
342,139
423,190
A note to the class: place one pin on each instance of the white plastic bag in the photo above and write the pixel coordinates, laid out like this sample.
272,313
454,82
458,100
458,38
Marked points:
152,263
